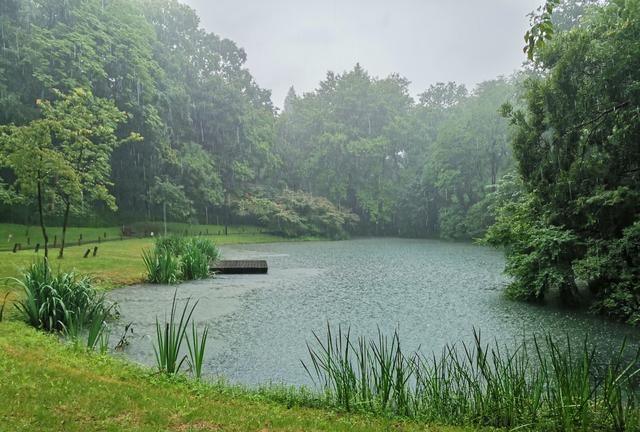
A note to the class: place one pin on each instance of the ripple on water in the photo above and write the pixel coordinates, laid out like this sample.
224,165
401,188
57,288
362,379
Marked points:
435,293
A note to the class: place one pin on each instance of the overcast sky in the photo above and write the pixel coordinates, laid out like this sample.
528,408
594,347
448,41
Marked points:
295,42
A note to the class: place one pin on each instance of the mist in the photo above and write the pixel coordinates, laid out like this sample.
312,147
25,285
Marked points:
293,43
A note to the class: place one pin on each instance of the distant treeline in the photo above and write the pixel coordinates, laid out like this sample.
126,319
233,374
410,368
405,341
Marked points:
210,142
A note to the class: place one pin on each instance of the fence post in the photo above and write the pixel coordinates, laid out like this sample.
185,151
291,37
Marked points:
95,251
37,247
86,254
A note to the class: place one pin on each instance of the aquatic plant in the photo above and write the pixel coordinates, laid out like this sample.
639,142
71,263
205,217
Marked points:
57,301
179,258
161,265
197,345
206,246
173,243
551,385
194,263
170,335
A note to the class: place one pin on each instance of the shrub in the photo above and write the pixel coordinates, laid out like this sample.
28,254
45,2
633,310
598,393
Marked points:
179,258
58,301
162,266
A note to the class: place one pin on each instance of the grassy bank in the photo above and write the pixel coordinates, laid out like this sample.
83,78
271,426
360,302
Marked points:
118,262
30,235
45,385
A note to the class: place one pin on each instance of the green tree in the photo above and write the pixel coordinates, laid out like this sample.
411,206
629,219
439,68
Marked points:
83,129
576,150
172,198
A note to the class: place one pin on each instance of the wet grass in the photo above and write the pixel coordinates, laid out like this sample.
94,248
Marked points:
117,263
45,385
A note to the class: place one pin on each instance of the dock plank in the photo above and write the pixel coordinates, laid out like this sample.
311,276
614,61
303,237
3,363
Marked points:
240,267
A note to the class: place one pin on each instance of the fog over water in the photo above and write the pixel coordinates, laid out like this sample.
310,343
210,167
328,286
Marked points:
292,42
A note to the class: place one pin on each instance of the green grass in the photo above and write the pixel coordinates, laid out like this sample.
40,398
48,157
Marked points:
45,386
20,234
15,233
550,385
118,262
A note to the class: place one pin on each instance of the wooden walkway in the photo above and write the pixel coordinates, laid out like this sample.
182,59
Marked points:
240,267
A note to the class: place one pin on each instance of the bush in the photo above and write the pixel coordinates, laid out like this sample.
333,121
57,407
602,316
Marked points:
174,244
58,301
179,258
163,267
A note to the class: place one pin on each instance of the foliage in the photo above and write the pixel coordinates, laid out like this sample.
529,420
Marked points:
58,301
170,336
197,346
295,214
64,156
573,224
550,385
162,266
176,258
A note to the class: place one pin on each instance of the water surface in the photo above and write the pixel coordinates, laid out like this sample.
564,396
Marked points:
434,292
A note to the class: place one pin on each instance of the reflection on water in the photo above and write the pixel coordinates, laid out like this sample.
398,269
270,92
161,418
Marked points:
434,292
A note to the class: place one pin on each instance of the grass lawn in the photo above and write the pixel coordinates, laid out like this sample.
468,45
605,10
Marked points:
118,262
47,386
29,236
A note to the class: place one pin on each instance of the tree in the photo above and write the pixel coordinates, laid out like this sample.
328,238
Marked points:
172,198
64,156
576,149
40,169
83,129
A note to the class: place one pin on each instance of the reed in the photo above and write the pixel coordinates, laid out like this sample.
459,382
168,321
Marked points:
551,385
161,265
170,335
197,345
57,301
179,258
194,264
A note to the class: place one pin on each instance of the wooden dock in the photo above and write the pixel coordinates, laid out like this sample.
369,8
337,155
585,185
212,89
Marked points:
240,267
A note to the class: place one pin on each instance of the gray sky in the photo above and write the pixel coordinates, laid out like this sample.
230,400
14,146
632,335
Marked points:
295,42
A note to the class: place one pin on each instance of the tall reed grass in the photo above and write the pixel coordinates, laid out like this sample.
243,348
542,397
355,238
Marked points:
179,258
172,334
55,301
162,266
544,385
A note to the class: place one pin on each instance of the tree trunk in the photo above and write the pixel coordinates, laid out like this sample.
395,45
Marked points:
227,200
42,226
65,222
164,217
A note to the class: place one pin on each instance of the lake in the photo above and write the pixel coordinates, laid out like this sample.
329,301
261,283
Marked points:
433,292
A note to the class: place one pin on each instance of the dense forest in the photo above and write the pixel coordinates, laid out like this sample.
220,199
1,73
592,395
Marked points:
115,111
202,141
